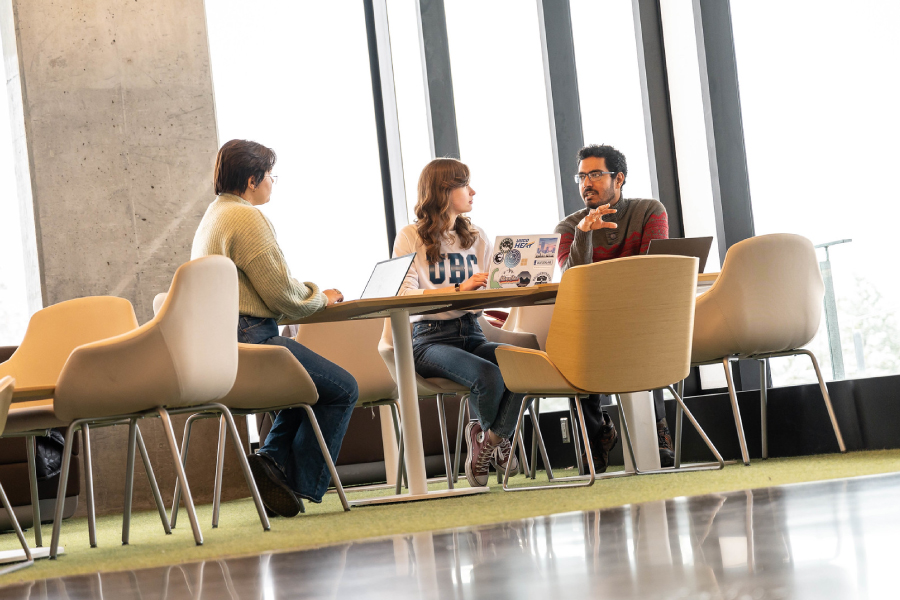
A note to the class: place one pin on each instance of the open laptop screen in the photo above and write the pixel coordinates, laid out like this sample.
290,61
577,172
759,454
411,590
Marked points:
387,277
698,247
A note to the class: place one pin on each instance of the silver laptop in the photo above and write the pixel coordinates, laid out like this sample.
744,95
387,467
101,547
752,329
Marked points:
387,277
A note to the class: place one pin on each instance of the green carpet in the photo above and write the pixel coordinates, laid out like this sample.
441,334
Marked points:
240,533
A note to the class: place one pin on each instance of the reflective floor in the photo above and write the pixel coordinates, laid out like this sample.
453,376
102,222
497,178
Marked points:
824,540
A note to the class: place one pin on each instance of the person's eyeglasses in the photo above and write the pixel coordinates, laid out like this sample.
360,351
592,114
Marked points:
274,178
593,175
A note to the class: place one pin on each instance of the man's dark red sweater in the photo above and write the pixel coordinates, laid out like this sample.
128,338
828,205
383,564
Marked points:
639,220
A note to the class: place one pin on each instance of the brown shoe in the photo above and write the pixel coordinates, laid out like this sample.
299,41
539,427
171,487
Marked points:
602,443
478,460
666,453
503,454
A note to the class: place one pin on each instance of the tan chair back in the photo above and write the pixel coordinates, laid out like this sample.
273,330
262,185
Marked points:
55,331
625,325
186,355
767,298
7,386
353,346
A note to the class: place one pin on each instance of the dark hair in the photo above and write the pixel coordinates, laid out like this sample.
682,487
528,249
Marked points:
615,160
440,177
237,162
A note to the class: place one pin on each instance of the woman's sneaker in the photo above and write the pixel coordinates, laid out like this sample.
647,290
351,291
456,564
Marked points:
478,460
502,454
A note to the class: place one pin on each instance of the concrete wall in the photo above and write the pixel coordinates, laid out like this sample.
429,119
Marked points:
116,105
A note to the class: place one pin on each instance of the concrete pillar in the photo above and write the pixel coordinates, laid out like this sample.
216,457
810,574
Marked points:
115,101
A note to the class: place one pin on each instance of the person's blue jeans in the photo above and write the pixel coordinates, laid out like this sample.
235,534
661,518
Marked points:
456,349
291,442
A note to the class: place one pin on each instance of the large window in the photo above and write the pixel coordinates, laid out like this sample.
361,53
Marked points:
609,87
295,77
818,85
14,311
409,87
688,123
501,114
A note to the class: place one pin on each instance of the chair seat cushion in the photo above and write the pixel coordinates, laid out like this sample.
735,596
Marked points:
31,418
531,371
438,385
269,377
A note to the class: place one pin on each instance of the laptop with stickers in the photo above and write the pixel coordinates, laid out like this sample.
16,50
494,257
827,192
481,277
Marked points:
523,260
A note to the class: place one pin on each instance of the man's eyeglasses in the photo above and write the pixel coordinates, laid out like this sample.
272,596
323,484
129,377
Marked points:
274,178
593,176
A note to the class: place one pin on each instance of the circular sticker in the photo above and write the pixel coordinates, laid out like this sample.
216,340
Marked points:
506,244
498,258
508,278
542,278
524,279
512,258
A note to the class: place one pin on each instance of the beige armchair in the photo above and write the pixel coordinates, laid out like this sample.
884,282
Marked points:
438,387
269,379
7,385
648,322
52,334
184,359
766,303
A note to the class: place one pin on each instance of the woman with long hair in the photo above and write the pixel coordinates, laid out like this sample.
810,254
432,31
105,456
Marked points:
451,252
289,466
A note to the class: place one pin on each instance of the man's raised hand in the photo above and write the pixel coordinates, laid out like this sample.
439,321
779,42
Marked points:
594,219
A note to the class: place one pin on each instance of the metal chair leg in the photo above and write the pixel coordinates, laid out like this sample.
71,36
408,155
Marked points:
35,496
327,456
154,486
536,428
61,490
245,466
719,464
575,437
398,433
679,414
523,454
442,421
89,484
29,560
182,477
763,408
220,468
578,480
185,446
129,481
460,428
745,455
827,398
535,412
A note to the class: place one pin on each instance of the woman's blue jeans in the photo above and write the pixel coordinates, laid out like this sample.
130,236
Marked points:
291,442
457,350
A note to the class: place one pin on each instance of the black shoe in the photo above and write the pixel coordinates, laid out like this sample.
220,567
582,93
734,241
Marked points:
666,455
276,494
602,443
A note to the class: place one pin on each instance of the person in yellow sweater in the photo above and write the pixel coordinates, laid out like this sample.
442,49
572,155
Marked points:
288,467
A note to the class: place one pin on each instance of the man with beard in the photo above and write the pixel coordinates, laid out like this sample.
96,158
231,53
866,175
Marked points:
585,238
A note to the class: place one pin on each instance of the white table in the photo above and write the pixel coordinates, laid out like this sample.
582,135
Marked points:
399,309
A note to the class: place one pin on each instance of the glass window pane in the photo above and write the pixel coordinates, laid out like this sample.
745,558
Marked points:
688,124
818,85
609,86
501,115
409,87
297,80
14,311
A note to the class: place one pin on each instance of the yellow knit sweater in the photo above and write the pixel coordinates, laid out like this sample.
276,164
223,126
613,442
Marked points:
234,228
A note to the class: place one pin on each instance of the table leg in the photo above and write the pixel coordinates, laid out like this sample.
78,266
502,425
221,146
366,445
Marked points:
410,423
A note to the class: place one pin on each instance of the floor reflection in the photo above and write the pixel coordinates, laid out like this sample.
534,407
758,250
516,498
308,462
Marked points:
823,540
